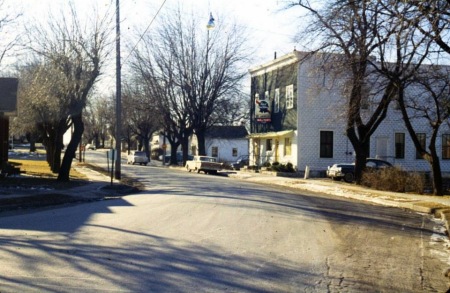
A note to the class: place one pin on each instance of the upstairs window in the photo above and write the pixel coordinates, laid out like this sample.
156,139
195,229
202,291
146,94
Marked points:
276,103
290,96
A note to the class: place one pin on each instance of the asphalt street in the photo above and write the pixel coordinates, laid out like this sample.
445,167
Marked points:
252,233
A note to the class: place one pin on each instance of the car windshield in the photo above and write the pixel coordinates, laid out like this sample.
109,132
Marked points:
140,154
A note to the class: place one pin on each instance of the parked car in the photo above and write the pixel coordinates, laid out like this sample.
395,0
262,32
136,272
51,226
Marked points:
208,165
346,171
137,157
179,158
241,162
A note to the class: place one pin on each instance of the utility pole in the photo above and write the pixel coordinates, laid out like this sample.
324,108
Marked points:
118,95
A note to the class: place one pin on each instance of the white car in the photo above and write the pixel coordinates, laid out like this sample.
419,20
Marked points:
137,157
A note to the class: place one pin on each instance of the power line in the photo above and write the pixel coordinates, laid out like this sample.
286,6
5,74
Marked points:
145,31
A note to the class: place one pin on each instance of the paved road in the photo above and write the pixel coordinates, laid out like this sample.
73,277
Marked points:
193,232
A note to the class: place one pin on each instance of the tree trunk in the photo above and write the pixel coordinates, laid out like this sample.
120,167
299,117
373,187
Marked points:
185,149
146,141
361,147
58,145
173,152
438,188
78,128
201,142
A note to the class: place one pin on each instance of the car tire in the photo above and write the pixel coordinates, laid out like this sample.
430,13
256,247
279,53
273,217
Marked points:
349,177
336,178
187,168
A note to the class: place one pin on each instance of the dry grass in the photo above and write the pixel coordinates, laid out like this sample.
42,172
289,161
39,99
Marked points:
37,173
40,168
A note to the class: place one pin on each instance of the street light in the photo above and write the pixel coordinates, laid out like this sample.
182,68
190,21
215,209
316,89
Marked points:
211,23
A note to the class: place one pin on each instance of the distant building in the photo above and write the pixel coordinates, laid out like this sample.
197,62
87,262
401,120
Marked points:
227,143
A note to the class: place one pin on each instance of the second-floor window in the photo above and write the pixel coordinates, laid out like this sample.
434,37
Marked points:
290,96
276,102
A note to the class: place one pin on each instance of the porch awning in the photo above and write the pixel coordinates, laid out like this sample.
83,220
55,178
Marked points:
271,134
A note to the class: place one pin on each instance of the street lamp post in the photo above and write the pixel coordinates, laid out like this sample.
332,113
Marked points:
118,96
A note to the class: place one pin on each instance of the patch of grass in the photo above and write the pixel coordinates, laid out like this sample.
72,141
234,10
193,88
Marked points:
39,168
36,174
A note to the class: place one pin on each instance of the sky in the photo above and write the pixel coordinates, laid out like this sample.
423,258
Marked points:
270,27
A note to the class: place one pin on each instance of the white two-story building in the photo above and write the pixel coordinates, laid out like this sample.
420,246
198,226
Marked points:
298,116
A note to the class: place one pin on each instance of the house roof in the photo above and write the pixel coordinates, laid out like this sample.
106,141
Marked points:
228,132
271,134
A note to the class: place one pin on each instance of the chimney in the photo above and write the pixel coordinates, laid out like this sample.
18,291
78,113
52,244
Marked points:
275,55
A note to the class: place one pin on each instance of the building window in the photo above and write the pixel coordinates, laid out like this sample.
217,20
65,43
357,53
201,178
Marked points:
446,146
269,144
422,137
290,96
287,146
326,144
399,145
234,152
277,101
215,152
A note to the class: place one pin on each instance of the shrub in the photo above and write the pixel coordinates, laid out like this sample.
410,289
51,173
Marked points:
277,167
394,179
266,164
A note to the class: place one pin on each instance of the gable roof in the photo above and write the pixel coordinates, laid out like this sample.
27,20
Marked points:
228,132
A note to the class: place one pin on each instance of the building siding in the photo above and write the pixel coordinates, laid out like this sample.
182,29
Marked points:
320,106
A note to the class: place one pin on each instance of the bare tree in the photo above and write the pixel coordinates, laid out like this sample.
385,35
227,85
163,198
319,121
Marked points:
42,110
98,120
362,36
76,51
142,115
202,67
427,98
